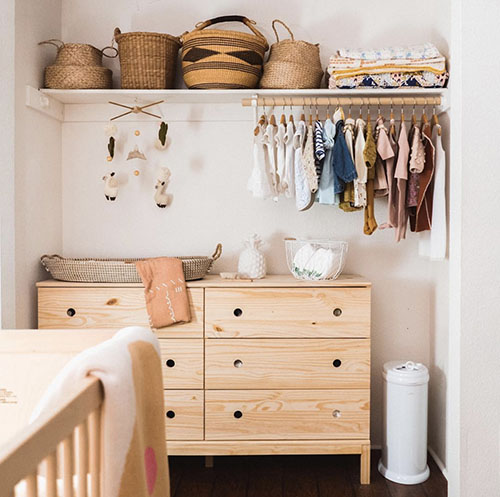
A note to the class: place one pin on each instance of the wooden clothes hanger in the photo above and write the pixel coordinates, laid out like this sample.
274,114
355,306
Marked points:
272,120
435,120
136,109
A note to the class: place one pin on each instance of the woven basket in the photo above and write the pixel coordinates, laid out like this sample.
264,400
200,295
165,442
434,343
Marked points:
147,60
292,64
78,54
118,270
78,66
77,77
216,59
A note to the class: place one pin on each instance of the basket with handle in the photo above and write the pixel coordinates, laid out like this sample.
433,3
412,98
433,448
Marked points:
292,63
78,66
119,270
218,59
147,60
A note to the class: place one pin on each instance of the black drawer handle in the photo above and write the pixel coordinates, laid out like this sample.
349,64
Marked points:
71,312
337,363
238,363
337,312
237,312
170,363
170,414
237,414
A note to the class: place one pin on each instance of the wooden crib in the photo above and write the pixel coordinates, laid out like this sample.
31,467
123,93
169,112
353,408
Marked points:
59,454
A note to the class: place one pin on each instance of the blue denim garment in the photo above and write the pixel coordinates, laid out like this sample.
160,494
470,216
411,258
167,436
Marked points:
344,170
325,193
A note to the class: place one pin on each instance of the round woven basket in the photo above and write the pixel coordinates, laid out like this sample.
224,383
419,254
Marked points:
119,270
218,59
78,54
77,77
147,60
292,64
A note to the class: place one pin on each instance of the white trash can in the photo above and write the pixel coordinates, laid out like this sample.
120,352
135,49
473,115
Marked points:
404,449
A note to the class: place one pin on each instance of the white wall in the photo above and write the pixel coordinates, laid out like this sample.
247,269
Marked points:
479,466
210,159
38,157
7,120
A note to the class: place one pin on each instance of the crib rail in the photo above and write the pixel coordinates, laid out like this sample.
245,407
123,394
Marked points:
71,433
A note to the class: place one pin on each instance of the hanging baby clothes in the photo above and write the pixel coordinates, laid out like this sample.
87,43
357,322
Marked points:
423,219
433,243
302,190
280,155
319,148
309,161
401,175
390,166
415,166
269,143
343,166
359,162
384,153
326,194
259,182
370,156
288,182
348,197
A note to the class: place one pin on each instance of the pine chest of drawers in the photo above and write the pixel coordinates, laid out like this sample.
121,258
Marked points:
275,366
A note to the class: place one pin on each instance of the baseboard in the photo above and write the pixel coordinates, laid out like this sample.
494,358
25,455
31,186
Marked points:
433,454
438,462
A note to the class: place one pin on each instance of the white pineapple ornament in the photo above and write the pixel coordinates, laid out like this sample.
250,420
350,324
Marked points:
252,263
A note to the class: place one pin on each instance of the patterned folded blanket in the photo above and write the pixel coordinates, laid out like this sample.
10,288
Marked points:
423,79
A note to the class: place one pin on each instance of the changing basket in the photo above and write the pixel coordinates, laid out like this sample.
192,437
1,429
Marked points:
119,270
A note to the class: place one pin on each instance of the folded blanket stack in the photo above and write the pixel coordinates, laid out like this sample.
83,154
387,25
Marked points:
392,67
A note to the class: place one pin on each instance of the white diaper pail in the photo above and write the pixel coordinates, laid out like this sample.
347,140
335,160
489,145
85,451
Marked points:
404,448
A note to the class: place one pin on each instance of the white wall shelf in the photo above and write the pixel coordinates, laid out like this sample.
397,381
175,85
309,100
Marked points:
52,102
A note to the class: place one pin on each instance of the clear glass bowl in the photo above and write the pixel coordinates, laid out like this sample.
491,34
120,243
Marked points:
315,259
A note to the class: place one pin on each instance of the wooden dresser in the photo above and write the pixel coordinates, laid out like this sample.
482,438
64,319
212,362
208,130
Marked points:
274,366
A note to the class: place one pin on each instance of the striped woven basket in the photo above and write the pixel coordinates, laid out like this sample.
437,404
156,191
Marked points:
119,270
218,59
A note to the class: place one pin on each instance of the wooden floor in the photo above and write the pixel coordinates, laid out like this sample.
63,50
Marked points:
291,476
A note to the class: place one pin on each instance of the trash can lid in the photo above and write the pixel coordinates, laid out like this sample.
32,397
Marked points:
406,372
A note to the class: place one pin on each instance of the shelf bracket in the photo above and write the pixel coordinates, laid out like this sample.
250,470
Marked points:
45,104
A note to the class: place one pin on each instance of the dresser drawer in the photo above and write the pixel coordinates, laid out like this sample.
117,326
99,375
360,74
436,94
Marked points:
184,414
113,307
294,414
287,363
287,312
182,362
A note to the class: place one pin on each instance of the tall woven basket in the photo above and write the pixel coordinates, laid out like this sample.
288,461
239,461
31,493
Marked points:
147,60
78,66
215,58
292,63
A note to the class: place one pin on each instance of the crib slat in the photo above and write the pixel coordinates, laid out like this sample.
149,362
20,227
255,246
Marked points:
51,476
95,452
83,454
68,454
32,485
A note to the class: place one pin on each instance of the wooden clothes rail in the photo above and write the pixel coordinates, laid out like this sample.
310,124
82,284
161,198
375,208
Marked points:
343,101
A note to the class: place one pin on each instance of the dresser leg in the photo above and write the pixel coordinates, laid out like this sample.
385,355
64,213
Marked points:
209,461
365,465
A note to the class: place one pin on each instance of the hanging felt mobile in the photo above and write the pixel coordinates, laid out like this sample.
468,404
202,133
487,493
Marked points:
161,142
110,130
136,154
162,199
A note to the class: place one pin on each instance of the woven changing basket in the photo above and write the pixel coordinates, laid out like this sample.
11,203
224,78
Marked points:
78,66
215,59
147,60
118,270
292,63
